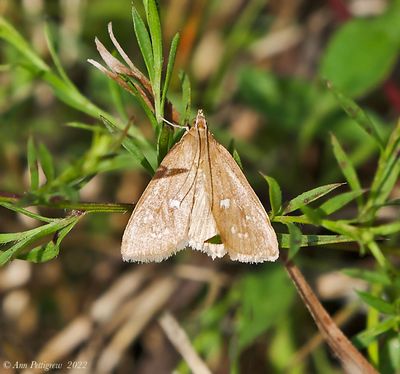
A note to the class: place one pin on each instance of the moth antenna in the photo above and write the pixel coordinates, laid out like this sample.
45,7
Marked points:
175,125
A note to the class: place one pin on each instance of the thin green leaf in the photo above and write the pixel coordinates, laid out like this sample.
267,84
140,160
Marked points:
153,21
365,338
356,113
56,60
309,196
377,303
23,235
85,126
312,240
387,229
275,195
11,35
94,207
148,110
216,239
235,154
170,67
186,98
33,236
129,144
346,166
33,165
50,250
373,277
143,38
46,161
9,237
65,92
295,239
343,228
337,202
164,140
377,252
313,215
388,170
117,102
26,212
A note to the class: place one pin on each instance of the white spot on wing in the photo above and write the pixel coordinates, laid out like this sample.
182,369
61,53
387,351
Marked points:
233,230
243,235
225,203
174,203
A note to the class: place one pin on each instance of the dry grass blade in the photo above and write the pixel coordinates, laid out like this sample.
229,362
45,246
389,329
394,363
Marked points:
105,307
65,342
135,72
118,68
148,303
352,360
181,342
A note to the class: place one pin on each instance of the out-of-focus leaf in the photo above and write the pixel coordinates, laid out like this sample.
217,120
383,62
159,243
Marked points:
343,228
11,35
339,201
388,170
313,215
130,145
33,165
46,161
365,338
373,277
265,296
186,98
387,229
346,166
360,55
164,140
377,303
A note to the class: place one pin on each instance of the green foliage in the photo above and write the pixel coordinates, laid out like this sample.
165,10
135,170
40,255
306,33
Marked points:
308,197
371,45
275,195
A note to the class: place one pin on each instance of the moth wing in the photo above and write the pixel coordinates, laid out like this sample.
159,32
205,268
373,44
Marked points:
202,224
242,223
158,226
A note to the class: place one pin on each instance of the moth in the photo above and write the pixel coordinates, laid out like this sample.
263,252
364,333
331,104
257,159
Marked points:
199,193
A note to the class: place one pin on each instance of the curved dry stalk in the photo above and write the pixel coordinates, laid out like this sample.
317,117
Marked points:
178,337
353,362
148,303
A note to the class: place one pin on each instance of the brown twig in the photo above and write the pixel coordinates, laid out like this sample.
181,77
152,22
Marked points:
351,359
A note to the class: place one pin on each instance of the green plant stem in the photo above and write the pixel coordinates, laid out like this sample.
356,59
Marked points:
82,206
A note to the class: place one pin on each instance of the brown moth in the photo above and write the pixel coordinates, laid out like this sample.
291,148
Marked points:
197,193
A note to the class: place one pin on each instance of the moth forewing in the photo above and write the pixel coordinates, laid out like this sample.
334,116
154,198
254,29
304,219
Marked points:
197,193
159,223
242,222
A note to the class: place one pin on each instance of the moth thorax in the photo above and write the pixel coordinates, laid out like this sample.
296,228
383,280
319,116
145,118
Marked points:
200,122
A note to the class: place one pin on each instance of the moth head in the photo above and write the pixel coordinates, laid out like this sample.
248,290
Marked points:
200,122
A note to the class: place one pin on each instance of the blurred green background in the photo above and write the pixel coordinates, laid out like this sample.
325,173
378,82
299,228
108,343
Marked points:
258,69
